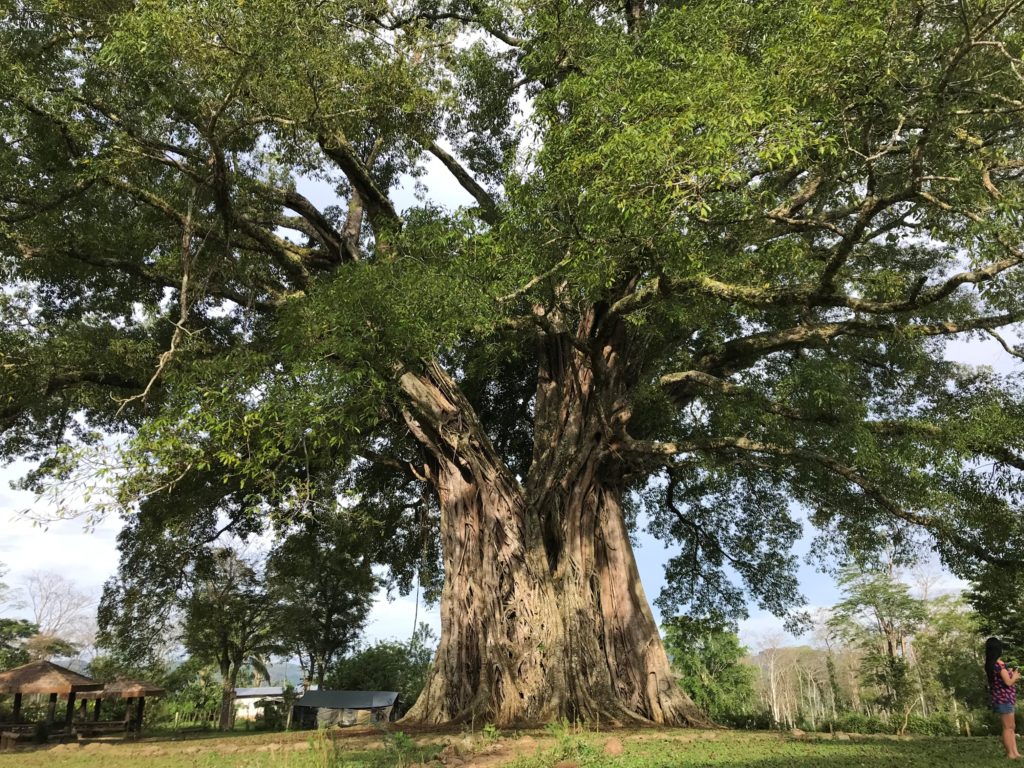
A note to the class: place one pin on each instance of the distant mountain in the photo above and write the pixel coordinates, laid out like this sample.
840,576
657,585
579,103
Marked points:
285,672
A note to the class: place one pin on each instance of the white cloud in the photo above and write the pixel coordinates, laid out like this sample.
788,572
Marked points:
87,558
393,619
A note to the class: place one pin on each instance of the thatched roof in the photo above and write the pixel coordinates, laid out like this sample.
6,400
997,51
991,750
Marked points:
45,677
125,689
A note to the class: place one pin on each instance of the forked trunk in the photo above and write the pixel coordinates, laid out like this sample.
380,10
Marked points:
542,612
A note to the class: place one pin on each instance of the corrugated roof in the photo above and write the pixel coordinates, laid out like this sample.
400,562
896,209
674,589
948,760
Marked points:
347,699
258,693
45,677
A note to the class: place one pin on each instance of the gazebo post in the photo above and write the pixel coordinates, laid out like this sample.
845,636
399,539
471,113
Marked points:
128,713
84,707
96,709
138,714
17,707
51,710
69,714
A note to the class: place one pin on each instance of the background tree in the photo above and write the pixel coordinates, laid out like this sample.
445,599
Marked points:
707,657
847,681
163,555
710,273
228,621
949,652
45,646
322,587
879,615
57,605
64,613
388,665
8,597
14,634
996,598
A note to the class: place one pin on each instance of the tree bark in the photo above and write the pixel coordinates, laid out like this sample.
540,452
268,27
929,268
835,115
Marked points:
501,637
229,677
543,615
619,668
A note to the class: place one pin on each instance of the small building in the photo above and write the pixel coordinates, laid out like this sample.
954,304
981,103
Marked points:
250,702
326,708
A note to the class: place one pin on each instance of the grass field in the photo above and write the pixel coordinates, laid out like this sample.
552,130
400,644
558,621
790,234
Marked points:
552,748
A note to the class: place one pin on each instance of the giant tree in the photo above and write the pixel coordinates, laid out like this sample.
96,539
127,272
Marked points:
707,263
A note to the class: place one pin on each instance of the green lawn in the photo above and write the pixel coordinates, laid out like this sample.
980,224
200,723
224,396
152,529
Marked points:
731,749
553,748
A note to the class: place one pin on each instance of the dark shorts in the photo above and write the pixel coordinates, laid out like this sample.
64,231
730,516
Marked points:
1003,709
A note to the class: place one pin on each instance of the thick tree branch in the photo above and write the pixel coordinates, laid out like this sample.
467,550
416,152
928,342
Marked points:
812,295
379,208
64,380
291,258
740,353
683,384
477,20
172,155
337,248
488,207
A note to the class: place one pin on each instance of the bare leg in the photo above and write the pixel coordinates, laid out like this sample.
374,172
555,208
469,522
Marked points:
1010,737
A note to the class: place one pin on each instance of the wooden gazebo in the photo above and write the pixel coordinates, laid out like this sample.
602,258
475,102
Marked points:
134,691
45,677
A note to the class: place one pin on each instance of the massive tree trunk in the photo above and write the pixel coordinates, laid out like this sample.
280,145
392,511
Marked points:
618,666
620,669
542,612
501,637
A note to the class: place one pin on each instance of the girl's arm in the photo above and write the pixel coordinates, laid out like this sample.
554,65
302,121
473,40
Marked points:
1009,678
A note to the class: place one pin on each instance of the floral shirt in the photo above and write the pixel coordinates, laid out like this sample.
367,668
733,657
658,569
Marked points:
1001,692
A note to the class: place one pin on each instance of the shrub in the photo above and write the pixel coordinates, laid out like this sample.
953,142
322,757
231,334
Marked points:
855,722
747,721
937,724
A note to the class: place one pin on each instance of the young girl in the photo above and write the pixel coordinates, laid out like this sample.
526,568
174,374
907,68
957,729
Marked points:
1001,682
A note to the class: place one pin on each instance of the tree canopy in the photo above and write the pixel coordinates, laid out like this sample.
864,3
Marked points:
711,261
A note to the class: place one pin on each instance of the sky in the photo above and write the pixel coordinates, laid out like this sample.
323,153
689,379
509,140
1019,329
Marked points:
90,556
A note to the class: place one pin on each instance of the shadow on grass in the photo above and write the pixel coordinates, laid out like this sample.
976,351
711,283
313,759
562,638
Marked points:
741,750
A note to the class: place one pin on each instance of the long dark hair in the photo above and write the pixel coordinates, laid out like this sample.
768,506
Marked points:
993,650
